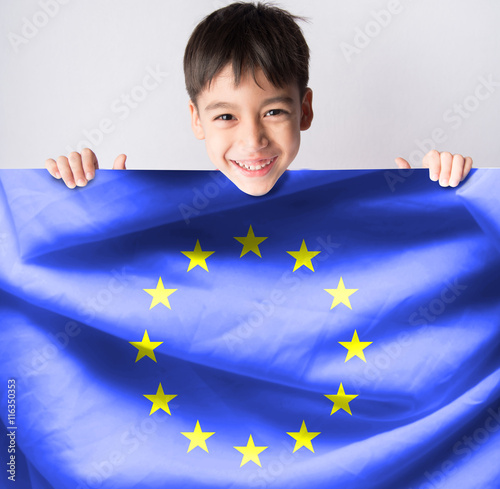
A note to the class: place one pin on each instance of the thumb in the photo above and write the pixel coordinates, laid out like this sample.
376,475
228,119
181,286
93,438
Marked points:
402,163
119,163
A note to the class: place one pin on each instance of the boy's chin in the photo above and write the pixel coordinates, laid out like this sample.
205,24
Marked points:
256,189
254,186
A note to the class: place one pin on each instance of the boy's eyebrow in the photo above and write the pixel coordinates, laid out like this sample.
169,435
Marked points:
273,100
280,98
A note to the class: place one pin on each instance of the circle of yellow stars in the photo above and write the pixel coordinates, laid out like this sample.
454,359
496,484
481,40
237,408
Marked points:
198,438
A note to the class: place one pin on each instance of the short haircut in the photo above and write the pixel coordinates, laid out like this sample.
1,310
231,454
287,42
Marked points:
249,36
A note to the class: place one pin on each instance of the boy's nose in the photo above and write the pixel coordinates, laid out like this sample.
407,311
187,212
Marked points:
253,137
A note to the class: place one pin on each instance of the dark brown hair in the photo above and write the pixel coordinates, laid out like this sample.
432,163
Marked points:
249,36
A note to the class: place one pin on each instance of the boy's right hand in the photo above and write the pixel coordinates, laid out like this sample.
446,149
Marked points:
79,169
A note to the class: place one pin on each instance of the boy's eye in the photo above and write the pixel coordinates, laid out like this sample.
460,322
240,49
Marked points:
275,112
224,117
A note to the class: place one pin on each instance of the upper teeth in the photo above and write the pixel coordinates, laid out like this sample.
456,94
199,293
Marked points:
253,168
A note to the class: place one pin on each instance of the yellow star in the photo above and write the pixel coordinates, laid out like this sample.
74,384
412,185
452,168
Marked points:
160,400
303,256
250,243
341,400
146,347
355,347
197,437
160,295
303,437
197,256
250,452
341,294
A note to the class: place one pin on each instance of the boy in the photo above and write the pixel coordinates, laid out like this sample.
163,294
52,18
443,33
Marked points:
246,72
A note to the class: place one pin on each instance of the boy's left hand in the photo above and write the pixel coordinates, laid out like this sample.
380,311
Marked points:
447,168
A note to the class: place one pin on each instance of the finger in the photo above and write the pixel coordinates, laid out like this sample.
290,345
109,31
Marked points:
457,169
65,171
119,163
75,162
89,163
402,163
51,166
432,161
467,167
446,162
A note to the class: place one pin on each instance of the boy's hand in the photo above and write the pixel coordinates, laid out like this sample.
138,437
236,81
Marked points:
78,168
447,168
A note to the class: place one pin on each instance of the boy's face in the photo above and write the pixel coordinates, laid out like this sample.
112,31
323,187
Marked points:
252,132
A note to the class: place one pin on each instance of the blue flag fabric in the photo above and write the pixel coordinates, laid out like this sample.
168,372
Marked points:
341,331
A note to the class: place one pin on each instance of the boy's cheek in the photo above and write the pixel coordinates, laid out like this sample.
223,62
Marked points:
215,153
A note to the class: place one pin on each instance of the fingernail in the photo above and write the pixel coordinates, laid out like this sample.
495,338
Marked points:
71,184
89,176
57,174
81,182
453,183
443,182
434,177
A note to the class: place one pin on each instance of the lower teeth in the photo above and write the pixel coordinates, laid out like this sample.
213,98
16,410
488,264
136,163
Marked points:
255,168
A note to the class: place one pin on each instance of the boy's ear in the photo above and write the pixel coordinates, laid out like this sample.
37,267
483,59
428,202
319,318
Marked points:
195,121
307,111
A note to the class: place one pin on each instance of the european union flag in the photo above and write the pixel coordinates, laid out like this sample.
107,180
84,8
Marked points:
162,329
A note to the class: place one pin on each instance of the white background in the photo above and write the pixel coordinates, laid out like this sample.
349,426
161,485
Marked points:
67,75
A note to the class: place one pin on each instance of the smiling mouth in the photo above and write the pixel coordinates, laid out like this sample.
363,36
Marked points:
255,165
